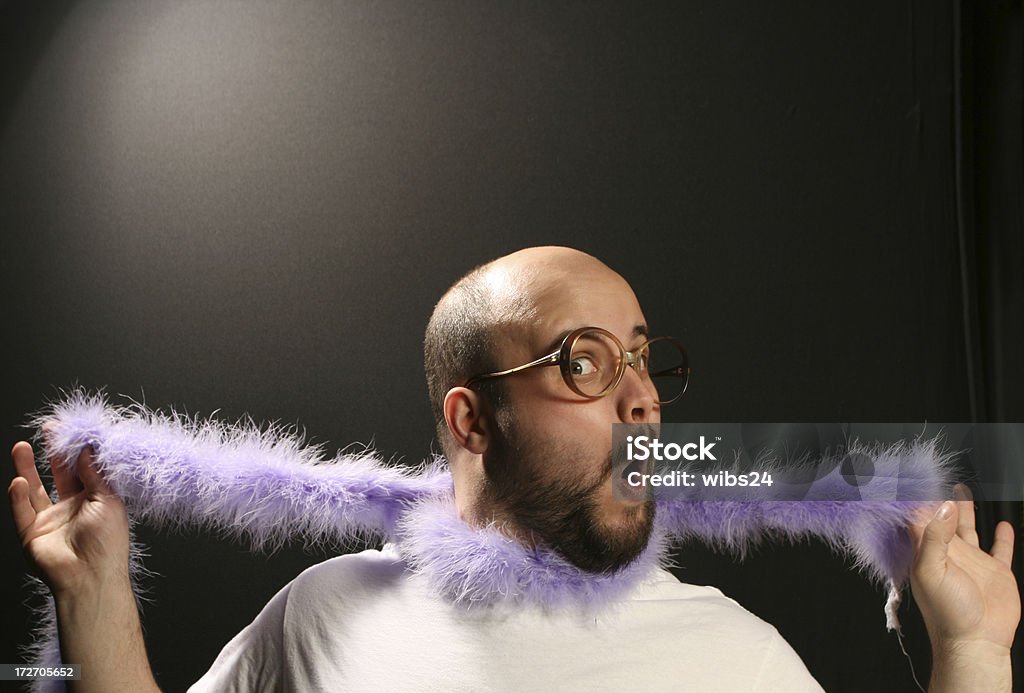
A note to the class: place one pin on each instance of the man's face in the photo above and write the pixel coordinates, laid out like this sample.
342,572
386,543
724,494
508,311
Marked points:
549,466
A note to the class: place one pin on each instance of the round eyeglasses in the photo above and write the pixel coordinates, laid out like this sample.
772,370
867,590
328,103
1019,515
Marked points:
593,361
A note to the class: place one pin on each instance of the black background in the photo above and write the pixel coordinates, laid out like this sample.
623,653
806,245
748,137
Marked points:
252,207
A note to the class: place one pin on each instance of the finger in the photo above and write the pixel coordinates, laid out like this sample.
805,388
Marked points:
94,482
919,519
21,507
64,479
965,527
25,467
931,554
1002,547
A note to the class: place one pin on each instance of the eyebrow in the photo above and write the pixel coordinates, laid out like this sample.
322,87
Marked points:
639,330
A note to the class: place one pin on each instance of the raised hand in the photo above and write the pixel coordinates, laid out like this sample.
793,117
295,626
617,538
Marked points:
78,542
969,598
79,545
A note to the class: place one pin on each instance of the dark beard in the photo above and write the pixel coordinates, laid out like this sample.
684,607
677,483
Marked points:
564,513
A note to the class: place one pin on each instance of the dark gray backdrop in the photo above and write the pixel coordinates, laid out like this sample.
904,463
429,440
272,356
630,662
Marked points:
253,206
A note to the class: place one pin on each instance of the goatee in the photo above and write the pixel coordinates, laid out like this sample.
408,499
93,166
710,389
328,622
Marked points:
563,511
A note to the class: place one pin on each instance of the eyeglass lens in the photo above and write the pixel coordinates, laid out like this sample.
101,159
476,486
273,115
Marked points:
667,369
594,363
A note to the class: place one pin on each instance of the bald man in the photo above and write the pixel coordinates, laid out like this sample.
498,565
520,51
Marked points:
528,445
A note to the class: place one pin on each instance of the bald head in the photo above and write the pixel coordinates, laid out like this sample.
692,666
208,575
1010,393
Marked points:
527,275
553,257
498,304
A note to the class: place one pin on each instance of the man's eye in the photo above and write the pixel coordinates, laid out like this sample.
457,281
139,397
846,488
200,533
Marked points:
583,365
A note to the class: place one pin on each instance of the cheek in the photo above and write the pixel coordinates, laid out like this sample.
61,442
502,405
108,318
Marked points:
588,439
579,424
554,427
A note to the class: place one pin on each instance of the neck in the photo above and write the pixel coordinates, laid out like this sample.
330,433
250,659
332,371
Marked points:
477,566
477,506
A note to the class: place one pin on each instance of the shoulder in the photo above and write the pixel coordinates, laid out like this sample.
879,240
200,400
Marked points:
704,620
288,630
663,587
340,588
352,574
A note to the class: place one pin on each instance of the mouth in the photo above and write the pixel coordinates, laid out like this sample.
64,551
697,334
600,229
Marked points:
627,480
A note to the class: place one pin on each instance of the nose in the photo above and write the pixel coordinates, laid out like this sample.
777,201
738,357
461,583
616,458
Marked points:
637,399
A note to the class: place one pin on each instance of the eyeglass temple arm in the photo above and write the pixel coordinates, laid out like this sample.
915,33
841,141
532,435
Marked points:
549,360
678,370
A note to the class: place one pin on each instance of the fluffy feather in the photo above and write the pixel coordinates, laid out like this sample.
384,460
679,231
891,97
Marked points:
872,532
261,485
481,566
264,486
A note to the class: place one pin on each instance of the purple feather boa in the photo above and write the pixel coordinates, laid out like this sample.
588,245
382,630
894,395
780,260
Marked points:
872,531
482,565
264,486
258,484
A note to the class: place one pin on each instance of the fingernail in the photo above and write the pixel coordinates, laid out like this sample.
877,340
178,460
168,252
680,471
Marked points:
963,492
945,510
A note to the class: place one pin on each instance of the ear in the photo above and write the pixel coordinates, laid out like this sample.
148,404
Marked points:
468,416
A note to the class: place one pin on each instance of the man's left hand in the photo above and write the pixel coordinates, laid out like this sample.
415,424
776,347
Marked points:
969,598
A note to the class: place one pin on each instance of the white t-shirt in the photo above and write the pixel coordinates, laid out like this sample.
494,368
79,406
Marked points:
364,622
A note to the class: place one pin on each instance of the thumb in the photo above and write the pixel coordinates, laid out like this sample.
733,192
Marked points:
931,554
91,478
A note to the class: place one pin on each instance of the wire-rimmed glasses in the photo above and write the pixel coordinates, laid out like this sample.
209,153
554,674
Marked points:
592,361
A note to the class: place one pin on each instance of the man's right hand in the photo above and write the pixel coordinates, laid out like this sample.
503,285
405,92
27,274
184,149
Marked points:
82,540
79,546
